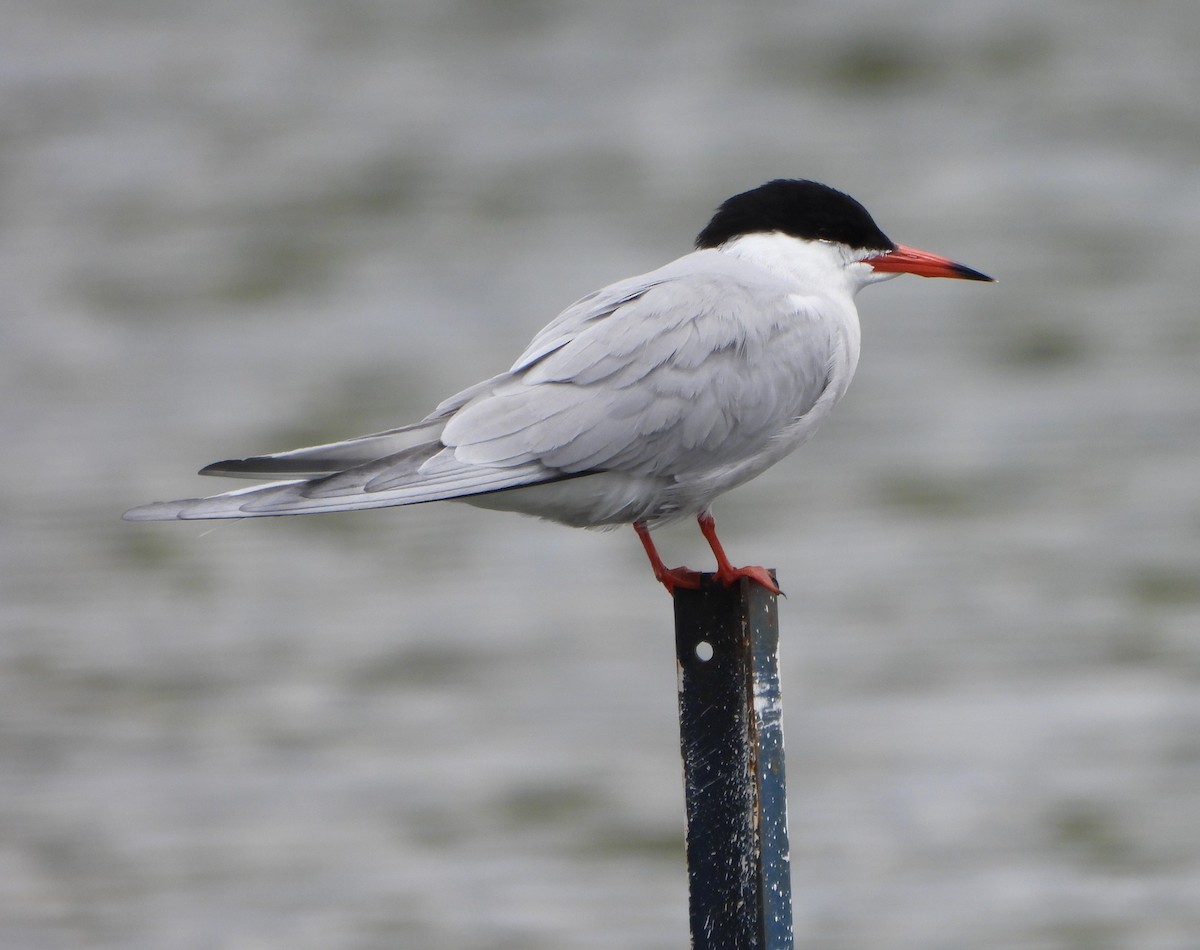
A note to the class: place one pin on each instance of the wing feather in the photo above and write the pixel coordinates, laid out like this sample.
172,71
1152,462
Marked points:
372,488
319,460
668,381
663,378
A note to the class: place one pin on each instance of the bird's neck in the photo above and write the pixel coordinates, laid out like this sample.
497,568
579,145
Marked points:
811,264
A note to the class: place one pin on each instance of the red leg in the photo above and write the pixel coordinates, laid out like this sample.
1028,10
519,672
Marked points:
727,574
669,577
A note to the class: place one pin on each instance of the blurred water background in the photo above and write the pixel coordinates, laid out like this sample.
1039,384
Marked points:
235,227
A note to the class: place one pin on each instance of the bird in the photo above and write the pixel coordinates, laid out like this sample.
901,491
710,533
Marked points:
640,403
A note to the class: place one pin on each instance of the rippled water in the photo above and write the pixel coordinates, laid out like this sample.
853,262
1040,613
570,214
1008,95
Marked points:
227,228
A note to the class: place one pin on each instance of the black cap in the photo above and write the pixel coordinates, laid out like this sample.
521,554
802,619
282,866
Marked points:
803,209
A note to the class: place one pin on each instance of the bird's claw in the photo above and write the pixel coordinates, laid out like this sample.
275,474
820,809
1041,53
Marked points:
675,577
759,575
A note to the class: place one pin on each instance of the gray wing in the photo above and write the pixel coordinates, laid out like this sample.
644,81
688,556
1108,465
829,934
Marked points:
320,460
680,371
703,367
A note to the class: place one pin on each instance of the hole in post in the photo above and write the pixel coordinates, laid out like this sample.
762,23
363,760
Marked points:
704,651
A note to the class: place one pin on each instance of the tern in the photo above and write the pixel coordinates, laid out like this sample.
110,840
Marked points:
640,403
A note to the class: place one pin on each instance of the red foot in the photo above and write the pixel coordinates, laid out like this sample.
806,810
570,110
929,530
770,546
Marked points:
675,577
729,575
669,577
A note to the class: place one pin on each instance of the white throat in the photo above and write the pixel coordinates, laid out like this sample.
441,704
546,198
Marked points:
827,265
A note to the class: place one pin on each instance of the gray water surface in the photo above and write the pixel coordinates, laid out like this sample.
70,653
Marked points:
231,228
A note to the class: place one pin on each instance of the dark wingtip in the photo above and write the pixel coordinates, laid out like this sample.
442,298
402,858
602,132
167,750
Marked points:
258,465
220,468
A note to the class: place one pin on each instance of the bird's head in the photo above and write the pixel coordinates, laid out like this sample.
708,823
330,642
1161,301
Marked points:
840,231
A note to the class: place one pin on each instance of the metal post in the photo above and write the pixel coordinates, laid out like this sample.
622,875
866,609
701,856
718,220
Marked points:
731,735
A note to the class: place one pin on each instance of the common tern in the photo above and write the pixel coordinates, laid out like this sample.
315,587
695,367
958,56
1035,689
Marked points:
640,403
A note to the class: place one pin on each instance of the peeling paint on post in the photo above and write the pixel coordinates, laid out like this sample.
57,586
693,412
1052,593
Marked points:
731,736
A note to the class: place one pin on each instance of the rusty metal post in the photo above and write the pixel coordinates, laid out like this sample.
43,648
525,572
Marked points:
731,736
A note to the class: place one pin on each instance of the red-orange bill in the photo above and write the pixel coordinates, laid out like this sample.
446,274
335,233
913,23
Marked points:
908,260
